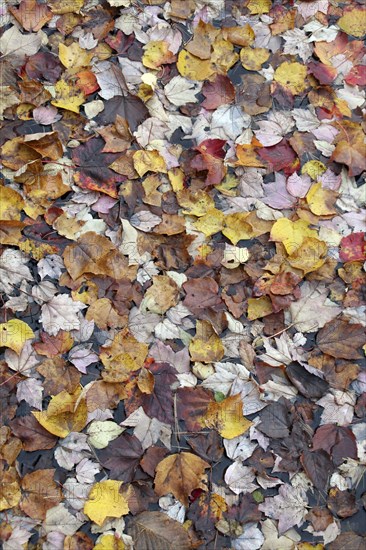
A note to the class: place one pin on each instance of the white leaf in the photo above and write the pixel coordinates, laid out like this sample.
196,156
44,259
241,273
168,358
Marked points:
60,313
60,520
224,377
13,269
17,45
298,186
239,447
251,539
239,478
72,450
180,91
308,9
110,80
43,292
31,391
101,433
82,356
312,311
76,493
228,122
296,43
145,220
305,120
352,95
148,431
273,542
24,362
86,471
289,507
52,265
17,540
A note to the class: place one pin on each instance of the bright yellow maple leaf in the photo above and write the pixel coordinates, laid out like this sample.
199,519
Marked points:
206,346
292,76
11,204
73,56
223,56
195,203
211,222
353,21
66,413
310,256
149,161
109,542
314,169
14,334
252,59
259,307
259,6
67,97
105,501
156,53
227,417
237,228
321,201
291,234
193,67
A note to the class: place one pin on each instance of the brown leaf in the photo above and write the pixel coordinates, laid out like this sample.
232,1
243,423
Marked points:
180,474
40,493
155,530
33,436
341,339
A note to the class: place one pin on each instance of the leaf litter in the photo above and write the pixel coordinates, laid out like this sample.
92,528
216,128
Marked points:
182,263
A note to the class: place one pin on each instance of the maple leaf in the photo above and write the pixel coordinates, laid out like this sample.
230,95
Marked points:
60,313
349,148
157,530
289,507
180,474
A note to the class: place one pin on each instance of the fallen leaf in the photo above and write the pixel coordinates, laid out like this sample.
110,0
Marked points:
180,474
105,500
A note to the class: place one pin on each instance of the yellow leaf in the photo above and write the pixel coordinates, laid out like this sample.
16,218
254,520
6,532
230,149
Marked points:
11,204
14,334
227,417
73,56
148,161
314,169
236,227
10,493
310,256
66,413
259,307
105,501
321,201
240,36
206,346
193,67
259,6
211,222
195,203
223,56
61,7
291,76
176,178
353,21
156,53
291,234
161,295
252,59
247,155
124,355
109,542
67,97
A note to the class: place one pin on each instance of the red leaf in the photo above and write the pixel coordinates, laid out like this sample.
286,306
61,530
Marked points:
353,248
281,157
